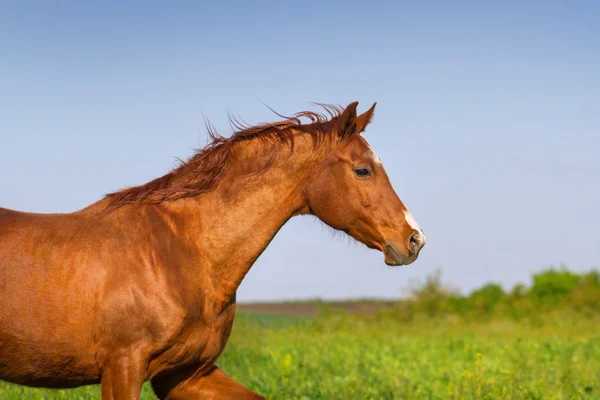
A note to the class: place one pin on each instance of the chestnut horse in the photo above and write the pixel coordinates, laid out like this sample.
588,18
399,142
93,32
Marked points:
141,285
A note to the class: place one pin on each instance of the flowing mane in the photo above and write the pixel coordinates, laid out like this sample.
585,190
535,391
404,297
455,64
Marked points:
207,165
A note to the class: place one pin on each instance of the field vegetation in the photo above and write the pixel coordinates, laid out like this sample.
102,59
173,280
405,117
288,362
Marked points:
537,341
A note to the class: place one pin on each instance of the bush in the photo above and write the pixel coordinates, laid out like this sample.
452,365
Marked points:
552,285
432,297
585,297
552,289
485,300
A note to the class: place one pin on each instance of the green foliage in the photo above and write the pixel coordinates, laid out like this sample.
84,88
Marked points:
370,358
552,289
484,300
431,359
552,285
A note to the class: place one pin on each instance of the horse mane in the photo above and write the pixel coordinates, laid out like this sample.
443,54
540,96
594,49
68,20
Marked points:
206,166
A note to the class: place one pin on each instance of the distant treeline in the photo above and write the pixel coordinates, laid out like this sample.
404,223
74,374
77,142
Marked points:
552,289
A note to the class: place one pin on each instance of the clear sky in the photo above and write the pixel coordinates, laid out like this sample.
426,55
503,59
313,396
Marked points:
488,120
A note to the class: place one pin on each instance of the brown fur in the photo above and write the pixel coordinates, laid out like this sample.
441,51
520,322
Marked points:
141,285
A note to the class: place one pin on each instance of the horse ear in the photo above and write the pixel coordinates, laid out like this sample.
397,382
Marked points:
347,121
365,118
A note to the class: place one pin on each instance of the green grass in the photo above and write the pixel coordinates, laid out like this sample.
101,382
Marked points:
345,357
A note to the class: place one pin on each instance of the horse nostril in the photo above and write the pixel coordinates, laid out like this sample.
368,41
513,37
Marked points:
414,239
415,242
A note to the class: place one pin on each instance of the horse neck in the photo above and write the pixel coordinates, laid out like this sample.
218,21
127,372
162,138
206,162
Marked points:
233,224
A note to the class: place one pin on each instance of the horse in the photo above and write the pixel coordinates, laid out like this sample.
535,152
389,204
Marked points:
141,285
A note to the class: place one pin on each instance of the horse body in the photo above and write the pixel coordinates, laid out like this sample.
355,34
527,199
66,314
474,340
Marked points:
121,287
141,285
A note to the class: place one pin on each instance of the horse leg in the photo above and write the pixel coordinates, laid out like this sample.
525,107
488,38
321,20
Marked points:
122,379
191,383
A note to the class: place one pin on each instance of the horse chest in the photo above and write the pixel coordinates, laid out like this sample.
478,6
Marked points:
199,343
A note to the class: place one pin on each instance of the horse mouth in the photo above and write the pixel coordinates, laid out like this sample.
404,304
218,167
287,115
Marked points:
392,257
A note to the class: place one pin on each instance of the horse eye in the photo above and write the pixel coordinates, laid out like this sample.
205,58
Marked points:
362,172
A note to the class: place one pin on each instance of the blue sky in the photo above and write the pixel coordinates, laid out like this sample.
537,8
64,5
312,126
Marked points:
488,120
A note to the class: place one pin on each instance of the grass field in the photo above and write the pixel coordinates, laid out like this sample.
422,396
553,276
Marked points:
341,356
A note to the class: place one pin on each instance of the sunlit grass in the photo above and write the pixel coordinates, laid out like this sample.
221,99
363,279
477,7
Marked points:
345,357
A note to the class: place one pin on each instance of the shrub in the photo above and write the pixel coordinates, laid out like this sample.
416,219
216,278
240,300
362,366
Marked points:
552,289
485,299
553,285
